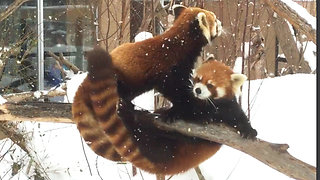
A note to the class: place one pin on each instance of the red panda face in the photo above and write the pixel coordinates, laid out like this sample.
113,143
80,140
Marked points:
209,24
215,80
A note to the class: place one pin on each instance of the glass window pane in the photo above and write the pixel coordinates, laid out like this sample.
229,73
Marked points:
17,48
68,29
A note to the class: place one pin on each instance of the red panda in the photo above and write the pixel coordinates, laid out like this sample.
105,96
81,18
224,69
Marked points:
216,83
123,139
215,80
164,63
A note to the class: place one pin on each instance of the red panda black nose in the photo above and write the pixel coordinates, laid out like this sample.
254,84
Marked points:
198,90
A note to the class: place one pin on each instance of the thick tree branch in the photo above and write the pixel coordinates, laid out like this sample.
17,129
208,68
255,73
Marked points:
27,96
293,17
273,155
36,111
11,9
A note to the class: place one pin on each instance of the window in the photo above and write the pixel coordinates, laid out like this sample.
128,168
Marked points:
67,29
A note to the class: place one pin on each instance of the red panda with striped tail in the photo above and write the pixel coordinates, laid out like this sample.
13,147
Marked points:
163,62
95,109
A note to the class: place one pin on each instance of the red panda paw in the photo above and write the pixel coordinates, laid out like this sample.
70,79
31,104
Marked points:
125,109
247,132
169,115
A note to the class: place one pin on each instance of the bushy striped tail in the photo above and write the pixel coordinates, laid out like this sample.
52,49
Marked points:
88,127
95,113
82,110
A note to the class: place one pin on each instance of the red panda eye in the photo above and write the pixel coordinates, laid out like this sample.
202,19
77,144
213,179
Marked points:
209,86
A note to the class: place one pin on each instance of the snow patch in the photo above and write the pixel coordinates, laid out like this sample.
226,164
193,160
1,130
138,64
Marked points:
278,113
238,65
37,94
2,100
142,36
73,84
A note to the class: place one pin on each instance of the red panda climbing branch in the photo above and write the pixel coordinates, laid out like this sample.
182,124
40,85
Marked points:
164,63
216,84
94,111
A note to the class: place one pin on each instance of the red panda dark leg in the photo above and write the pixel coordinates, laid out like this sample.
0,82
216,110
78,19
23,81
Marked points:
231,113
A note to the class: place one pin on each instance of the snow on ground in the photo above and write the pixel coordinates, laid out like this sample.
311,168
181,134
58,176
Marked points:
283,110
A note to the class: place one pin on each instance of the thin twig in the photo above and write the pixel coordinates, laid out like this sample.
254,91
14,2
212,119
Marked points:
97,168
85,155
11,9
199,173
63,61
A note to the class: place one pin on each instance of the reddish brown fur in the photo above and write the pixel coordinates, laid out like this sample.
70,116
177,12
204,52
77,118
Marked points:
218,73
137,64
87,107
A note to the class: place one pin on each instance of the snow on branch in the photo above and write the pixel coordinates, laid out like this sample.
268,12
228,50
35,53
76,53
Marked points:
273,155
298,17
27,96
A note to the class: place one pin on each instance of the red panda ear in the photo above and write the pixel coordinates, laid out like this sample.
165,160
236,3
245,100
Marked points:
204,26
177,9
210,57
237,80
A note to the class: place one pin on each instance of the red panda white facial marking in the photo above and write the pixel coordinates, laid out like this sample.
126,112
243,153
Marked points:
216,84
215,80
201,91
162,62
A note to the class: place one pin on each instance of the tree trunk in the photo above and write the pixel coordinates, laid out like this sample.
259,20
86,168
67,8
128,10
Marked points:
293,17
289,46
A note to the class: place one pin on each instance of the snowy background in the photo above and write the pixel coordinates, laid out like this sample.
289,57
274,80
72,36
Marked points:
283,110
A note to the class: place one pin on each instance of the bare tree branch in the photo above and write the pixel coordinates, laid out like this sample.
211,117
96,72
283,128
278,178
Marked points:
293,17
199,173
273,155
289,46
36,111
11,9
15,136
63,61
